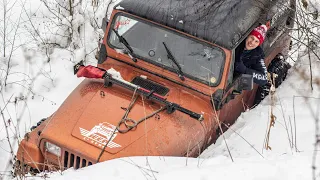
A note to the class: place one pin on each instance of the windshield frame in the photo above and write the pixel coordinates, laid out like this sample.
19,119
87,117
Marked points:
178,33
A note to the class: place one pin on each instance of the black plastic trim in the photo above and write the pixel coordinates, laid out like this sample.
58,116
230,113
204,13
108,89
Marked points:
103,54
150,85
216,99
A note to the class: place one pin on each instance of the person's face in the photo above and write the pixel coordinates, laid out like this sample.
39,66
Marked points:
252,42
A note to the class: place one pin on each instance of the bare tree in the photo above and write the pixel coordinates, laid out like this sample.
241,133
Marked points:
8,32
66,18
306,42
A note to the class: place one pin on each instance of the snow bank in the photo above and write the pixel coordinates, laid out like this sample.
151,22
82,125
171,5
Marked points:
166,168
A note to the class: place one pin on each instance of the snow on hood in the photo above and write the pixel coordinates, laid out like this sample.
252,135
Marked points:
119,8
114,73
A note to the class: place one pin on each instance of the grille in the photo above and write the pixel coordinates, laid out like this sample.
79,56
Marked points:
150,85
72,160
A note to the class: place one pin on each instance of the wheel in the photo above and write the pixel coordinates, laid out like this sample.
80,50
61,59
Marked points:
279,67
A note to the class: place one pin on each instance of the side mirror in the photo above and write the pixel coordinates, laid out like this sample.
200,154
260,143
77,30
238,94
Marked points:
244,82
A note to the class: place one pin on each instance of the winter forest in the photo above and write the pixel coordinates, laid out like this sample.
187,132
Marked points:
41,41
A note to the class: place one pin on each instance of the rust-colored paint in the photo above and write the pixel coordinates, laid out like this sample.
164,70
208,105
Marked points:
96,109
29,152
92,111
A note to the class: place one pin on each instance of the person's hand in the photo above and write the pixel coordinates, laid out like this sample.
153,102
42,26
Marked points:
240,67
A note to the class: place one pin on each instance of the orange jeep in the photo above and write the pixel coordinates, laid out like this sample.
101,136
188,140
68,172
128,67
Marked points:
164,83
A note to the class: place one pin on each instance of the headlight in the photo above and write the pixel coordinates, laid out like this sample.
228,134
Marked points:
54,149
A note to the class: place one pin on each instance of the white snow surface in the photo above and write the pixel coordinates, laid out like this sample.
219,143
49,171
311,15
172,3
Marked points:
119,8
297,107
114,73
163,168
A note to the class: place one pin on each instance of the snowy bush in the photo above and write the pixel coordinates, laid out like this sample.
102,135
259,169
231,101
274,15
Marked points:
71,24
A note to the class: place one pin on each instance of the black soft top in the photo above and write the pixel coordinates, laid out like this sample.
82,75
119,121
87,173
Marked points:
223,22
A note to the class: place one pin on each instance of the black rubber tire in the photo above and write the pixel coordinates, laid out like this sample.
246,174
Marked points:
279,67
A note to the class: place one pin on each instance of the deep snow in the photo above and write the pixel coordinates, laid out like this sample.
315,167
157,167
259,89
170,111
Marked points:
296,109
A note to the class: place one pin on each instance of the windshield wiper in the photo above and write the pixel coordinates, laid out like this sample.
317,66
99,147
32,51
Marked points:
126,44
171,57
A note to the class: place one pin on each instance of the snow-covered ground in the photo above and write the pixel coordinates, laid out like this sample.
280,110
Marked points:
37,88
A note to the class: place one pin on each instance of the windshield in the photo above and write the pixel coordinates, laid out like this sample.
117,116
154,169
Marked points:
197,60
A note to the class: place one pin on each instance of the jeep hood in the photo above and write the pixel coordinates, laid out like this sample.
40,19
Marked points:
102,114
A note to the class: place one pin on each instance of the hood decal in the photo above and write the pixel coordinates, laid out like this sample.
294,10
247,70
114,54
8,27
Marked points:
100,134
